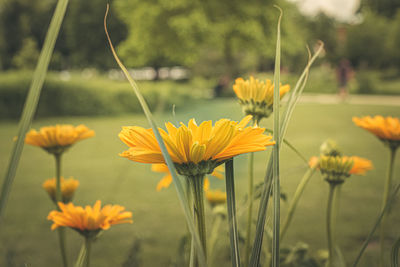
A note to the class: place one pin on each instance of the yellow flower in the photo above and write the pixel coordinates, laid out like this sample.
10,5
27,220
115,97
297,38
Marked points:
166,181
257,97
55,139
68,188
386,129
195,150
313,162
215,197
337,168
360,166
89,220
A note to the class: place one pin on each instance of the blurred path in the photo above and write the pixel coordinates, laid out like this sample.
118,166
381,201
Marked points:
351,99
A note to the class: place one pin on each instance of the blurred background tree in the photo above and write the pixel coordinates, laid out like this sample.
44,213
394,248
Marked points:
212,38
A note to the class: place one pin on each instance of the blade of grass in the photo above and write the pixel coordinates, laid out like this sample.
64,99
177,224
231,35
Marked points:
32,100
231,203
275,152
394,257
377,222
168,160
292,147
262,211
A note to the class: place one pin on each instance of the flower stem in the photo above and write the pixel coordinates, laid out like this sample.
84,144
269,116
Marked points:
190,204
198,205
330,223
84,254
395,254
214,236
88,245
231,205
81,257
293,204
61,230
250,208
386,193
58,179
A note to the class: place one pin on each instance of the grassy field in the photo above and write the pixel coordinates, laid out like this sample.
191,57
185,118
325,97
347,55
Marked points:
26,237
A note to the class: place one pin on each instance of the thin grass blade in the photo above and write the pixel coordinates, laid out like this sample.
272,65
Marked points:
275,152
32,100
231,203
394,257
262,212
177,182
291,146
377,222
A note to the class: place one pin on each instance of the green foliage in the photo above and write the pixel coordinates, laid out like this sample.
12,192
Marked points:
212,37
86,97
367,82
27,56
385,8
393,40
81,42
366,44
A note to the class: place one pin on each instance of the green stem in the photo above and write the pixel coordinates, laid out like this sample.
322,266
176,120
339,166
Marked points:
275,151
61,230
250,208
386,193
377,222
213,237
190,204
81,257
61,239
231,206
197,183
293,204
395,254
88,245
58,179
330,223
32,100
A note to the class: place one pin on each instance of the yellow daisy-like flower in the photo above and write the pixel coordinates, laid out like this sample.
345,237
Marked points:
166,181
386,129
89,221
55,139
313,162
257,97
215,197
337,168
68,188
360,166
195,150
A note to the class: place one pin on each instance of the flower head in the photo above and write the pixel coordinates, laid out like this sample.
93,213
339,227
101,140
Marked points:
360,166
68,188
166,181
89,221
215,197
336,168
257,97
313,162
195,150
386,129
56,139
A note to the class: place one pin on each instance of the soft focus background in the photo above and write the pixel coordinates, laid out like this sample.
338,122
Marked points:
187,54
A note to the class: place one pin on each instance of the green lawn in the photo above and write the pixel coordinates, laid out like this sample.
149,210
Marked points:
26,237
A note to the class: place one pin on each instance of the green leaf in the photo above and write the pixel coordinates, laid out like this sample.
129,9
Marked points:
32,100
262,212
231,204
276,150
168,160
377,222
292,147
